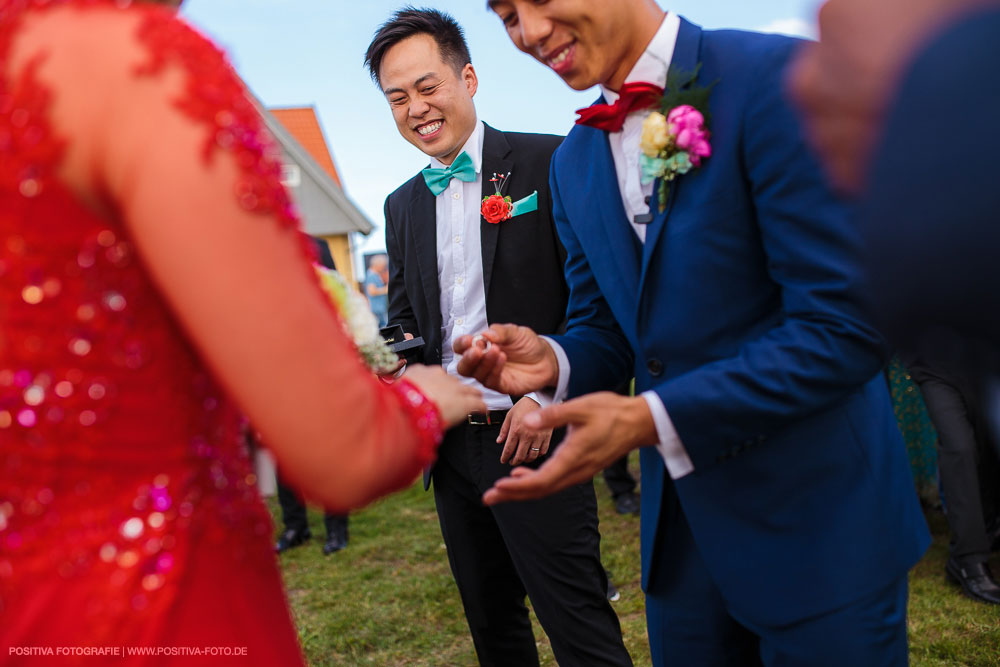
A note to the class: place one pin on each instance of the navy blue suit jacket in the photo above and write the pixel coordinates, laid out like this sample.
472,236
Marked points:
737,312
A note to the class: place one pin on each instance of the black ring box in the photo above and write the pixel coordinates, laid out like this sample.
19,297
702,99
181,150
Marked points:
394,338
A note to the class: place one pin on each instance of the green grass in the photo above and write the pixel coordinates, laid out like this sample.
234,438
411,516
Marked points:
947,628
389,599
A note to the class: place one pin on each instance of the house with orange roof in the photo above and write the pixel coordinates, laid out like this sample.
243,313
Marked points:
312,178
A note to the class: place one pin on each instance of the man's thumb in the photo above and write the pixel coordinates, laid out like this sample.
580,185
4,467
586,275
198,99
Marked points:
553,416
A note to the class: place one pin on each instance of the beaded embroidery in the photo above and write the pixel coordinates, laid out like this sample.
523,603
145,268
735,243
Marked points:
118,452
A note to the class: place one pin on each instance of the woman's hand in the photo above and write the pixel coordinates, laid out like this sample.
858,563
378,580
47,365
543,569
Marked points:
393,373
454,400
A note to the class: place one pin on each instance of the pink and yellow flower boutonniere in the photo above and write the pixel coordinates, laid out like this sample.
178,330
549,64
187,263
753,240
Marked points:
675,138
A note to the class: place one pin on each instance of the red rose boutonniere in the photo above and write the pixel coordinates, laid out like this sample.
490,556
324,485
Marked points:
497,208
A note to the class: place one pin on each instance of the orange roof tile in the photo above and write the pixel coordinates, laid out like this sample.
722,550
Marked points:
303,124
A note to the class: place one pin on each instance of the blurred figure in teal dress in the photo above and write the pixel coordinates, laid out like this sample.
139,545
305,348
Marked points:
918,431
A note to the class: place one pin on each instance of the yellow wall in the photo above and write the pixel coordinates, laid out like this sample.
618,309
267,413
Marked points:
340,248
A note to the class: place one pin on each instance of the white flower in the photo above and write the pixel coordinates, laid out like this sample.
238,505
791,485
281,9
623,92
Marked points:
359,321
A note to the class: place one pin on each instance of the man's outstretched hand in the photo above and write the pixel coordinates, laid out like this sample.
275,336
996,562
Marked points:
602,428
516,361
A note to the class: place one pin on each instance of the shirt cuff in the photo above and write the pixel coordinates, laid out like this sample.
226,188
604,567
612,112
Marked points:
562,384
670,446
540,398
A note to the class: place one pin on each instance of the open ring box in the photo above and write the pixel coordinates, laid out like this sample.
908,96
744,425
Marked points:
394,338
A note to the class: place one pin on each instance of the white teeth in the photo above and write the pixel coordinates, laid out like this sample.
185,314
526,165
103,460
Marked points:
429,129
560,58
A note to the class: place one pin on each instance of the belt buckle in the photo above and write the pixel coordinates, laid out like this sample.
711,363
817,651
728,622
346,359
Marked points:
478,419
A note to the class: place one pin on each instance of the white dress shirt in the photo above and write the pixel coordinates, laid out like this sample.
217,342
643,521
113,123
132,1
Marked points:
460,265
651,67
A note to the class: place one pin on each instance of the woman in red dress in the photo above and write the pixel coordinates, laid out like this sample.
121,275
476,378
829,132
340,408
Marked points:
137,184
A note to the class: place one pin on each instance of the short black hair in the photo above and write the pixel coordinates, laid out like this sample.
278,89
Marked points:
410,21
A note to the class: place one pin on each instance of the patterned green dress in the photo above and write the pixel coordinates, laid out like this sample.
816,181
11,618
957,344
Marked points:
918,431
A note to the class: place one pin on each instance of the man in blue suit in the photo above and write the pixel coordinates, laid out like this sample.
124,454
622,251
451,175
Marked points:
778,518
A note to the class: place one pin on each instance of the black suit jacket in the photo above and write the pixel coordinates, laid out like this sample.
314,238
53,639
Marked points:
932,230
522,257
323,254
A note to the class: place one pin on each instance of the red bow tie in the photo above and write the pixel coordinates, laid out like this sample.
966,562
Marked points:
610,117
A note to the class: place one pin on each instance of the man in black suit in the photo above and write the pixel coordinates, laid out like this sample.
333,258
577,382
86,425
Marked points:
964,458
455,265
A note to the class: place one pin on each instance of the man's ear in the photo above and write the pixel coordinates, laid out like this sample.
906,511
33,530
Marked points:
470,79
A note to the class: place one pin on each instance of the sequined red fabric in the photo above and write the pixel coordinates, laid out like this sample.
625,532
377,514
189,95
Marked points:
129,514
221,104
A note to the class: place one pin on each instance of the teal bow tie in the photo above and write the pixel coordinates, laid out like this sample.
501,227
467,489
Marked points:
438,179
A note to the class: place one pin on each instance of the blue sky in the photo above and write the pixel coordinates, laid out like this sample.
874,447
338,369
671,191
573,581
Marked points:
310,52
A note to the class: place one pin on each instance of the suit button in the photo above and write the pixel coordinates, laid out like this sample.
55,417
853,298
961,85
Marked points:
655,367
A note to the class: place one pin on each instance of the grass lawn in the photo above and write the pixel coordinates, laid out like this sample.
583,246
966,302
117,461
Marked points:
389,599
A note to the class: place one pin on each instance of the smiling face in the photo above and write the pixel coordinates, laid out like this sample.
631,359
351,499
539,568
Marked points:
430,101
585,42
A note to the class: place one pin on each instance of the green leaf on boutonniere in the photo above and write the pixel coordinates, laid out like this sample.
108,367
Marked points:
680,90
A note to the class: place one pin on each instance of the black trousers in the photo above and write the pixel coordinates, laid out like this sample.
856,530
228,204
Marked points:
293,514
958,465
547,549
618,478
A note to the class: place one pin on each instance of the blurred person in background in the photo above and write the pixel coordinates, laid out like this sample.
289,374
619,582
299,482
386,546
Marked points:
377,288
891,89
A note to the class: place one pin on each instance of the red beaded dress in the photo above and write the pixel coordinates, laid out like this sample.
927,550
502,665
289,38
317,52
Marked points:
129,515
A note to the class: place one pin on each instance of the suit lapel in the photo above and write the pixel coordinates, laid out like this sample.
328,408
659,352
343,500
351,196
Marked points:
686,56
496,158
423,231
619,237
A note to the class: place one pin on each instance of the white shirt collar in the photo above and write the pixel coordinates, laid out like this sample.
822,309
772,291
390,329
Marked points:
655,60
473,146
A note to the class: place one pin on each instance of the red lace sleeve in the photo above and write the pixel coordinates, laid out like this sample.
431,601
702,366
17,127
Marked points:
194,177
425,415
216,97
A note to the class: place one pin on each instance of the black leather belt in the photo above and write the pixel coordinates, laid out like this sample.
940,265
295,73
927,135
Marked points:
487,419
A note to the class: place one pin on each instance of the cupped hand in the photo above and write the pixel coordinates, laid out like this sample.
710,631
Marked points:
521,444
400,365
454,400
602,428
516,361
